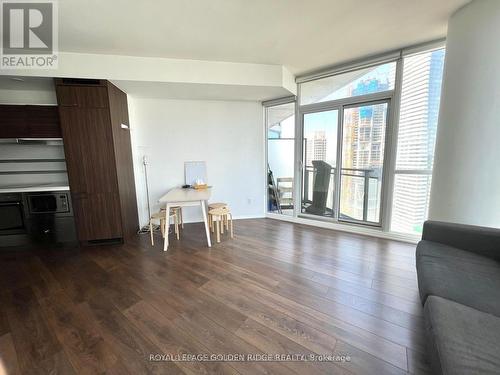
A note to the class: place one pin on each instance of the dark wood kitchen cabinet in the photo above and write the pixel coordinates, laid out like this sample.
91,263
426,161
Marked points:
29,121
94,122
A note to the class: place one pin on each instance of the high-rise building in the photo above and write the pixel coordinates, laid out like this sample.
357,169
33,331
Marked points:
364,133
422,76
316,147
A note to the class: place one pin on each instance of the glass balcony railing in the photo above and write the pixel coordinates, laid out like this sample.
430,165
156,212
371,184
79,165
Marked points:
359,198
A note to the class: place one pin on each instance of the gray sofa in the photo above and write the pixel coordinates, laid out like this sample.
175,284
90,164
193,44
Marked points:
458,269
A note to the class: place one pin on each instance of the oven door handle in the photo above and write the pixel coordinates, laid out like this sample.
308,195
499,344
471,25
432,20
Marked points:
10,203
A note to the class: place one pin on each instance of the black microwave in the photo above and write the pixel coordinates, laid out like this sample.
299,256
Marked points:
48,203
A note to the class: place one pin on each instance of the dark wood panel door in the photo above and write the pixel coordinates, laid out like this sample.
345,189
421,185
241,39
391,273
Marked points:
74,138
99,160
82,96
124,162
91,169
66,96
97,216
89,149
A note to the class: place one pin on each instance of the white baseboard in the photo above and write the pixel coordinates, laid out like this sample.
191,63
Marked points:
347,228
243,217
235,217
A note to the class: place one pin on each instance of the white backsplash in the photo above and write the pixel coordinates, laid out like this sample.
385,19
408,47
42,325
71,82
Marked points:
31,151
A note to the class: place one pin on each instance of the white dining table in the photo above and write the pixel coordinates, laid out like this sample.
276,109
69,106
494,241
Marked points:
179,197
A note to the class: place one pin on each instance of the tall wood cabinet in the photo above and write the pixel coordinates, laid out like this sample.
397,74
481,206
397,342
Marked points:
95,129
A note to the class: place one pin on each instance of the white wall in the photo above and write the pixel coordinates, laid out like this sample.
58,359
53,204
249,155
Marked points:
227,135
32,151
8,96
31,90
466,178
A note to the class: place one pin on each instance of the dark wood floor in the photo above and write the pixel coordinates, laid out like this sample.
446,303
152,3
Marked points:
276,288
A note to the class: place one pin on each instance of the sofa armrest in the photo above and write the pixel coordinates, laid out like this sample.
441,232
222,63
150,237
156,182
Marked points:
480,240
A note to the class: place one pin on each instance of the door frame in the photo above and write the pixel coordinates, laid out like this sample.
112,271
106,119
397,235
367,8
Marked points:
384,163
266,105
336,178
389,154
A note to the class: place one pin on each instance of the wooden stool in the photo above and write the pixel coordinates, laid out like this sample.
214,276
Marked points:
212,206
221,216
216,205
175,212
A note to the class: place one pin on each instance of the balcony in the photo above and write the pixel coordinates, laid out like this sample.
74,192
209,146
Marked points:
359,196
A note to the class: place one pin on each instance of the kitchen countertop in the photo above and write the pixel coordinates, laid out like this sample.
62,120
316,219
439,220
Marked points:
33,188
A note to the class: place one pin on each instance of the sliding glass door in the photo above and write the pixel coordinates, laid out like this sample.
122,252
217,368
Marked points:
362,163
320,162
280,127
349,138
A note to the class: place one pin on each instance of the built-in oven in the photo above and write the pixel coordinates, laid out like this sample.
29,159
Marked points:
36,217
50,217
12,214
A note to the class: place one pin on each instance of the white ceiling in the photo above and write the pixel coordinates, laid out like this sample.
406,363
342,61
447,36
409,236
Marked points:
199,91
301,35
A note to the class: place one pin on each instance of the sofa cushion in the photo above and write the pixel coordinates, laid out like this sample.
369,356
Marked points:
464,340
458,275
